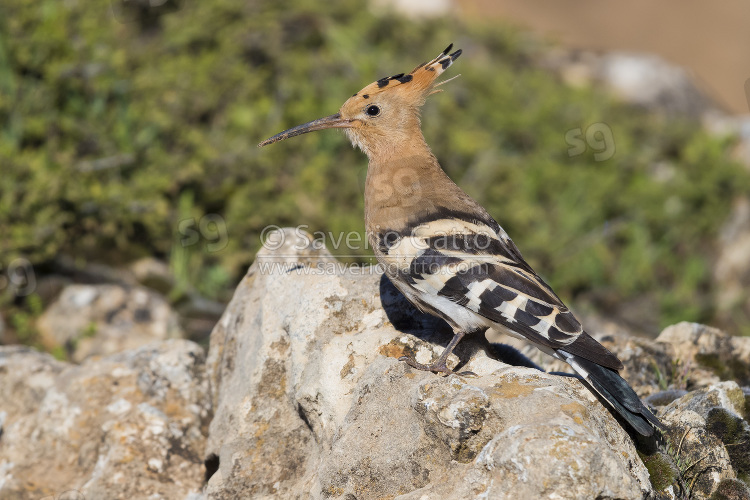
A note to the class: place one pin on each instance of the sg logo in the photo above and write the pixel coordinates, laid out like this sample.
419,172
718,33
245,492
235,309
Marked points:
18,277
598,137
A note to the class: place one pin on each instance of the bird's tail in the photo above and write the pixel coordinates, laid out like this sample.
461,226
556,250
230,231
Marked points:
618,393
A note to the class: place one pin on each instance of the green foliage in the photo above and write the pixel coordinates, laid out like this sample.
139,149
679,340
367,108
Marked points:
729,489
734,432
662,470
106,126
23,320
189,259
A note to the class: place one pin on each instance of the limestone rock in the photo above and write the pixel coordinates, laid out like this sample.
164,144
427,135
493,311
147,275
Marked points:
648,365
197,314
711,436
737,127
732,263
153,273
731,489
311,401
652,82
89,320
640,79
707,354
130,425
415,9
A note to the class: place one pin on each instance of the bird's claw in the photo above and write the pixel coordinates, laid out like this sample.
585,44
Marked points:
437,367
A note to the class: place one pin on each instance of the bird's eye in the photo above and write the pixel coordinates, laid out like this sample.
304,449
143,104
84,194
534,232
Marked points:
372,110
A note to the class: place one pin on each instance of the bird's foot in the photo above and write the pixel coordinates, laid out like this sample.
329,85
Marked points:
438,366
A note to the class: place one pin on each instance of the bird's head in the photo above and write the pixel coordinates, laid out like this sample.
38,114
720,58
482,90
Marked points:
384,114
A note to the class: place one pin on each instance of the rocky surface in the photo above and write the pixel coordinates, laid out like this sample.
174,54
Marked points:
708,355
310,397
732,267
415,9
96,310
311,400
127,426
197,314
88,320
302,396
640,79
712,436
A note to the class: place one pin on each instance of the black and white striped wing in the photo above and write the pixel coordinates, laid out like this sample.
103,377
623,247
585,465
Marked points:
477,266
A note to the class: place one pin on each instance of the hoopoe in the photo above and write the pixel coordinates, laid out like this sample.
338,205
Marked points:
445,252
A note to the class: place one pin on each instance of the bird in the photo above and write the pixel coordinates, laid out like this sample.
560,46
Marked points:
445,253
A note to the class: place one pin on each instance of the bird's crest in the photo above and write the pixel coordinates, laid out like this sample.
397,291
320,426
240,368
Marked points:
408,92
419,83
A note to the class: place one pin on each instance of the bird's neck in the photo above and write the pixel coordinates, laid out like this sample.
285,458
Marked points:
406,183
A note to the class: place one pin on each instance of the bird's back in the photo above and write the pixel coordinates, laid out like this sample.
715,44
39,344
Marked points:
449,257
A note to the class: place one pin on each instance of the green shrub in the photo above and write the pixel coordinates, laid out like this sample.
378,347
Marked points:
105,126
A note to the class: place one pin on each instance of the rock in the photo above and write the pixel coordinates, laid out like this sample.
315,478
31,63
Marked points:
711,437
734,432
663,398
415,9
731,271
197,314
541,418
707,354
652,82
153,273
643,80
311,400
725,395
283,251
90,320
49,287
648,365
731,489
130,425
734,126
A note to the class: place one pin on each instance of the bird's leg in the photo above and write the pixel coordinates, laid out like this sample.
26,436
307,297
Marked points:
438,366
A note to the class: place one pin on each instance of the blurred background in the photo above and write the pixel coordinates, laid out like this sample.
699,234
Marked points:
611,140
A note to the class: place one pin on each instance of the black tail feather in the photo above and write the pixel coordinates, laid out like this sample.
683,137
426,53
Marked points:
612,387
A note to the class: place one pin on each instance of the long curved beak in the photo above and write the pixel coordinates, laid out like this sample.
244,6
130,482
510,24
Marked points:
333,121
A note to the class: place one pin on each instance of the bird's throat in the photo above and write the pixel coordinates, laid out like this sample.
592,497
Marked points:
405,187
